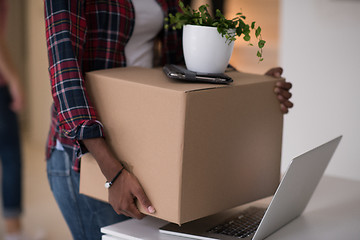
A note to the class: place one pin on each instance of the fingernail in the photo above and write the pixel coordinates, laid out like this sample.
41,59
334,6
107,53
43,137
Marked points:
277,74
276,90
151,209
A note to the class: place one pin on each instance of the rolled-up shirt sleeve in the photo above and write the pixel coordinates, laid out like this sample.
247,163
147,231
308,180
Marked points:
65,37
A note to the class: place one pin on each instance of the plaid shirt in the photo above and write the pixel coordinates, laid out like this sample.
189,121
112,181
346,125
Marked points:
84,36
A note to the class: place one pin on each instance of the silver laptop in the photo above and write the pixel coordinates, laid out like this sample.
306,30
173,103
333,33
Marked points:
289,201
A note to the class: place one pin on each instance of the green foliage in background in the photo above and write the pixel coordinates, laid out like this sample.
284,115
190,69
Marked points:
230,29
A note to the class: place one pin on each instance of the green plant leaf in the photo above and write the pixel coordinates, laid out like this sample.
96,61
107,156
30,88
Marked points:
238,31
247,37
252,25
258,32
258,54
261,43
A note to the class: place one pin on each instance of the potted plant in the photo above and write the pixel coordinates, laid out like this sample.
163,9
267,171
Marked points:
208,41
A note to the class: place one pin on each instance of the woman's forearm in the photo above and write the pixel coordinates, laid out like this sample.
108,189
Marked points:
106,160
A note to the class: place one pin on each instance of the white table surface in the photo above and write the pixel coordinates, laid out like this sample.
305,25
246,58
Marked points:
333,213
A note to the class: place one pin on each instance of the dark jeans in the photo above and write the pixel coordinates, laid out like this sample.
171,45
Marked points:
10,155
83,215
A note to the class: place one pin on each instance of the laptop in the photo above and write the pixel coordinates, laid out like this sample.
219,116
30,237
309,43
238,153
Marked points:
258,222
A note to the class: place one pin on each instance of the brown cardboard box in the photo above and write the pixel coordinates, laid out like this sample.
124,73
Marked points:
197,149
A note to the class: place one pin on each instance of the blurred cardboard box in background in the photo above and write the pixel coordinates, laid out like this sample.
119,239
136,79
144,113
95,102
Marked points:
197,149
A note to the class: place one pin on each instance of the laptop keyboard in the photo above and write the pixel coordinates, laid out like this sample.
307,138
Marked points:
243,225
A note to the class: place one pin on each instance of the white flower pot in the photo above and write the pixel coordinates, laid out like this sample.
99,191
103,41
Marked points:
205,50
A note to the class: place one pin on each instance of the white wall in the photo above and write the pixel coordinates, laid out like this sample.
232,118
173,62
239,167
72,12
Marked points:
320,52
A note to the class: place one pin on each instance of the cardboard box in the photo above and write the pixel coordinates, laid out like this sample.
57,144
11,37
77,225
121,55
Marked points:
197,149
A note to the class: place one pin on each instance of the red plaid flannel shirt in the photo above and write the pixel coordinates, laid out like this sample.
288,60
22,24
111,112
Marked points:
84,36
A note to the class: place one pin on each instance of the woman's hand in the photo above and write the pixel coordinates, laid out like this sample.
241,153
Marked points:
282,90
126,188
123,193
16,92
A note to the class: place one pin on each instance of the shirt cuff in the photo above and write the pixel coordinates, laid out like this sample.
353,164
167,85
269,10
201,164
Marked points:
86,130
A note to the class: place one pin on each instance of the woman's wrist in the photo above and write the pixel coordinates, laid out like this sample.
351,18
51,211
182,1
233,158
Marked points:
108,184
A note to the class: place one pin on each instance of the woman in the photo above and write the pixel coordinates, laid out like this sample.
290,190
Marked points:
11,101
90,35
